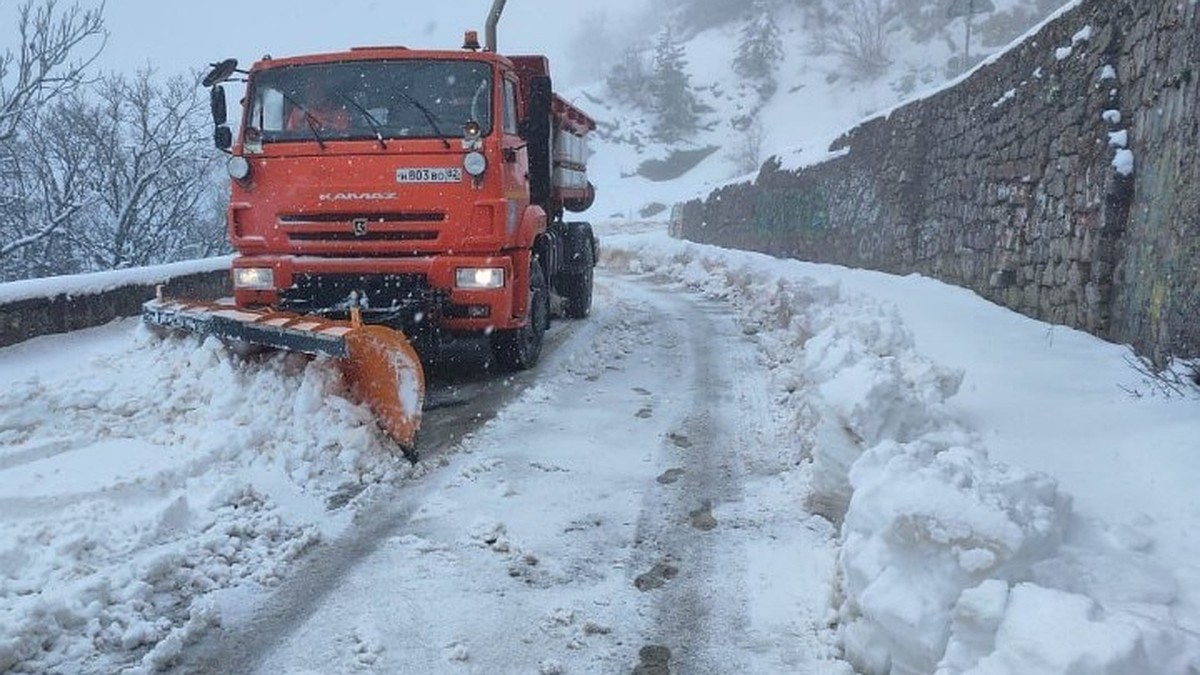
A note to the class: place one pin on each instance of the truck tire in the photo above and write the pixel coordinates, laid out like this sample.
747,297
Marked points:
520,348
577,286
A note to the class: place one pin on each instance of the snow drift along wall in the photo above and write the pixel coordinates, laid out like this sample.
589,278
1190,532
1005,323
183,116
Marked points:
1061,180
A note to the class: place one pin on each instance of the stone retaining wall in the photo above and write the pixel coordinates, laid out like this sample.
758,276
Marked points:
65,312
1061,180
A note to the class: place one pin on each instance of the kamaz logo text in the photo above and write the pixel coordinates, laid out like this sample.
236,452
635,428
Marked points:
355,196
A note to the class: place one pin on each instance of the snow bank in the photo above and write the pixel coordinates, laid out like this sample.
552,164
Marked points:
951,563
122,533
125,538
930,519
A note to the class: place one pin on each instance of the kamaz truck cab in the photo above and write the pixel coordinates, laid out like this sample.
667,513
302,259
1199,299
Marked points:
424,189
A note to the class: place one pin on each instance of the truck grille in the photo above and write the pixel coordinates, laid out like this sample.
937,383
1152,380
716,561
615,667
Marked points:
375,227
347,218
369,236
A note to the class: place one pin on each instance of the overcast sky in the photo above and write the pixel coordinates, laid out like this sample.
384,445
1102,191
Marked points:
177,36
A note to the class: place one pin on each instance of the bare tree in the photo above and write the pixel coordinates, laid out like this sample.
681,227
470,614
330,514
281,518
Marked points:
151,182
47,191
56,47
746,152
860,36
629,79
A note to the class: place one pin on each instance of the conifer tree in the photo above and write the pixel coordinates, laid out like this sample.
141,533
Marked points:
760,48
671,91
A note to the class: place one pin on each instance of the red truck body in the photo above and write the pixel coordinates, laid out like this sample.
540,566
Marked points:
438,164
385,198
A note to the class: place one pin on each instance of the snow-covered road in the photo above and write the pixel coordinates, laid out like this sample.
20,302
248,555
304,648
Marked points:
643,503
199,514
598,524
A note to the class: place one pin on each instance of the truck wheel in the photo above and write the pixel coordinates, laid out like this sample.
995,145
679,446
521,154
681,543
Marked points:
577,287
519,349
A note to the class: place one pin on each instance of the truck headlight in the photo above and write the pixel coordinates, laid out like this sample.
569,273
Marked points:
479,277
238,167
254,278
475,163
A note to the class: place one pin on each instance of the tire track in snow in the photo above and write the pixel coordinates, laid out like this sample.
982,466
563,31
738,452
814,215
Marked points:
518,550
522,549
465,402
697,612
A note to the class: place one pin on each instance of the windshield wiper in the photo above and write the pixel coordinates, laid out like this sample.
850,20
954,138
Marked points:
367,116
429,117
314,124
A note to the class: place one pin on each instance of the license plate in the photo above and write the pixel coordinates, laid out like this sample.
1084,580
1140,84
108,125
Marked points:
443,174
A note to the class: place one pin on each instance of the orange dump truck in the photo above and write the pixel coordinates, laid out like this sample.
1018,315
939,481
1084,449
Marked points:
385,200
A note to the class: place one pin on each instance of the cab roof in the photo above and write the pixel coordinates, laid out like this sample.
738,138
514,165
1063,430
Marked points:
378,53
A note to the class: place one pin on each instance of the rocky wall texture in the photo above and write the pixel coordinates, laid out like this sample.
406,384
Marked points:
1060,180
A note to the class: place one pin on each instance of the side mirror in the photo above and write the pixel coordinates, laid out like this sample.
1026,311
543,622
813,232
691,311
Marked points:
216,101
220,72
223,138
538,127
540,99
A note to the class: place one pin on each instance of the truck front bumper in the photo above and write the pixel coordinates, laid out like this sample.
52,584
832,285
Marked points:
397,291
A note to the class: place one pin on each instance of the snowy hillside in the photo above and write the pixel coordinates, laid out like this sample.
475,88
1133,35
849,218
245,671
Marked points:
819,94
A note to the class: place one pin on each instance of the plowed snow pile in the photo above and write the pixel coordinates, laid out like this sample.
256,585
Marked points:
952,562
136,487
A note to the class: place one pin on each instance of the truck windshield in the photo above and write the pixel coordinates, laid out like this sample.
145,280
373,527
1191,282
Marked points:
371,99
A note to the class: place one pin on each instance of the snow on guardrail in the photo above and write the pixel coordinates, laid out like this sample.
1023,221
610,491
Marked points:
35,307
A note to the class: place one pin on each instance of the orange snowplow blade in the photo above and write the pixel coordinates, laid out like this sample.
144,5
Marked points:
383,369
380,365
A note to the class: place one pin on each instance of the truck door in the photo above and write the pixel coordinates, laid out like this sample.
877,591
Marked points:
515,156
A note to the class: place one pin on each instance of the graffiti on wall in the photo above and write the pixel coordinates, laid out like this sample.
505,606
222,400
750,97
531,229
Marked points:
788,209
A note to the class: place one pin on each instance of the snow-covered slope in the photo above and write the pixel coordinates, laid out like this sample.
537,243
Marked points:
818,97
